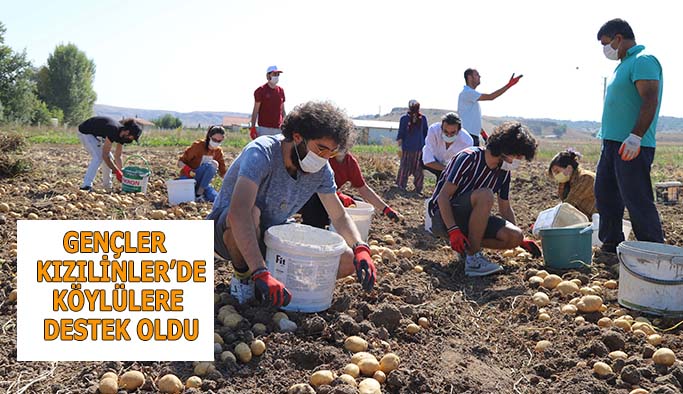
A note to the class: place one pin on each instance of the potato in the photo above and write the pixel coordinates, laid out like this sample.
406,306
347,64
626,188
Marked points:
32,216
203,368
228,357
540,299
618,354
543,317
193,382
12,297
587,291
108,386
640,333
301,388
369,386
158,214
654,339
605,322
610,284
638,391
361,355
535,281
389,239
542,274
373,242
405,252
602,369
348,379
579,320
320,378
232,320
622,323
589,303
243,352
664,356
131,380
644,327
259,329
352,370
389,255
509,253
355,344
217,338
279,316
368,366
423,322
170,384
110,375
389,362
257,347
569,309
418,268
566,287
379,376
551,281
643,320
4,207
412,328
577,282
541,346
574,301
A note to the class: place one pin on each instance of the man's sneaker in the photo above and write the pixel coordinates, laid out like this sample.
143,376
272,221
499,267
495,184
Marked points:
86,188
242,288
478,265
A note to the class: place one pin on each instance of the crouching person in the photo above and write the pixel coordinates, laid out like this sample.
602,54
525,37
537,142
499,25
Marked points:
464,197
271,180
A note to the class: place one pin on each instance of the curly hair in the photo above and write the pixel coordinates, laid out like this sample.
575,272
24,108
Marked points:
318,119
563,159
512,138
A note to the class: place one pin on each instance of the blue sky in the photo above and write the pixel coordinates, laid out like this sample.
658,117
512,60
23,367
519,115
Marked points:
365,56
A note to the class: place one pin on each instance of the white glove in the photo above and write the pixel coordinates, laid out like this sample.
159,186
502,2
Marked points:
630,148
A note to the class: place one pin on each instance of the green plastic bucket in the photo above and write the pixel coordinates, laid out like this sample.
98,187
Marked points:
567,247
135,178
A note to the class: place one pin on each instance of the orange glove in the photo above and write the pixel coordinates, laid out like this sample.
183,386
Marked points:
186,171
119,175
252,132
458,240
346,201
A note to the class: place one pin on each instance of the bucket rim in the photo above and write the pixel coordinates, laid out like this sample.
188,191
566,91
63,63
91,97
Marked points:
647,247
361,207
272,240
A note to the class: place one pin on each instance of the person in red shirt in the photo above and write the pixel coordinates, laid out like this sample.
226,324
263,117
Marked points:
269,106
202,160
346,169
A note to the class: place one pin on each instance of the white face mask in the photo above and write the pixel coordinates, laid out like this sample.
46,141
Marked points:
214,144
274,79
449,140
312,162
510,166
610,53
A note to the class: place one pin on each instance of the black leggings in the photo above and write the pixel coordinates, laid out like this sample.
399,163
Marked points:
314,214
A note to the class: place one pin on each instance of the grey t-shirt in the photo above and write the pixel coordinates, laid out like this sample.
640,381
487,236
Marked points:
279,195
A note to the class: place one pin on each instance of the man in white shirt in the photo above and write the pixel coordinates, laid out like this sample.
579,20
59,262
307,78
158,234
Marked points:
443,141
468,102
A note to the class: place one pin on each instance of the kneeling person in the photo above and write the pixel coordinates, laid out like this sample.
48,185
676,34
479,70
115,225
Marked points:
464,196
271,180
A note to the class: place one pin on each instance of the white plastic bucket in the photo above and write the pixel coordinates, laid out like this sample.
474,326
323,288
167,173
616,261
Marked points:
651,277
180,190
428,219
561,215
306,260
362,217
625,227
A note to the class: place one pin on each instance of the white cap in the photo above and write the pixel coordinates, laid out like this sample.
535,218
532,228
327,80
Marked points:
273,69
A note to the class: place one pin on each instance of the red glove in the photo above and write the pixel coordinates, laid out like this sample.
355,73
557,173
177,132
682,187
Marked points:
252,132
346,201
391,214
513,80
365,267
458,239
484,136
270,289
186,171
119,175
531,246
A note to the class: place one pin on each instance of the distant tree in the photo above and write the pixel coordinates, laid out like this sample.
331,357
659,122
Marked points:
67,83
16,86
560,130
167,121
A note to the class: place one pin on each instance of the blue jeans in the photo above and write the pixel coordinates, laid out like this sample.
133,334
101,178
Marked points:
203,176
620,184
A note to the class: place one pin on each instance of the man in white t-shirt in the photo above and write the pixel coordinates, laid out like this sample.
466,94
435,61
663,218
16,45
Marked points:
444,140
468,102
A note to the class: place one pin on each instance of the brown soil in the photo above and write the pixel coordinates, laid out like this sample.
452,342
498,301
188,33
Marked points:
483,330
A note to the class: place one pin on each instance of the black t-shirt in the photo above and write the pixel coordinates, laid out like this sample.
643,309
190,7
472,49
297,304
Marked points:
102,126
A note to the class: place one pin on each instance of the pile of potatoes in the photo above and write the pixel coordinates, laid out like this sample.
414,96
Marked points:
110,383
363,366
380,253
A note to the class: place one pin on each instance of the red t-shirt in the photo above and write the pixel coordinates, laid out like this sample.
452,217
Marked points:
272,100
347,171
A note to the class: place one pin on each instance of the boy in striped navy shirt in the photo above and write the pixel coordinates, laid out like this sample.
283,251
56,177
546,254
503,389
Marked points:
464,196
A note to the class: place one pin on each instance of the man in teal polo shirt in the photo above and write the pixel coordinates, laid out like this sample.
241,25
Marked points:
629,121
